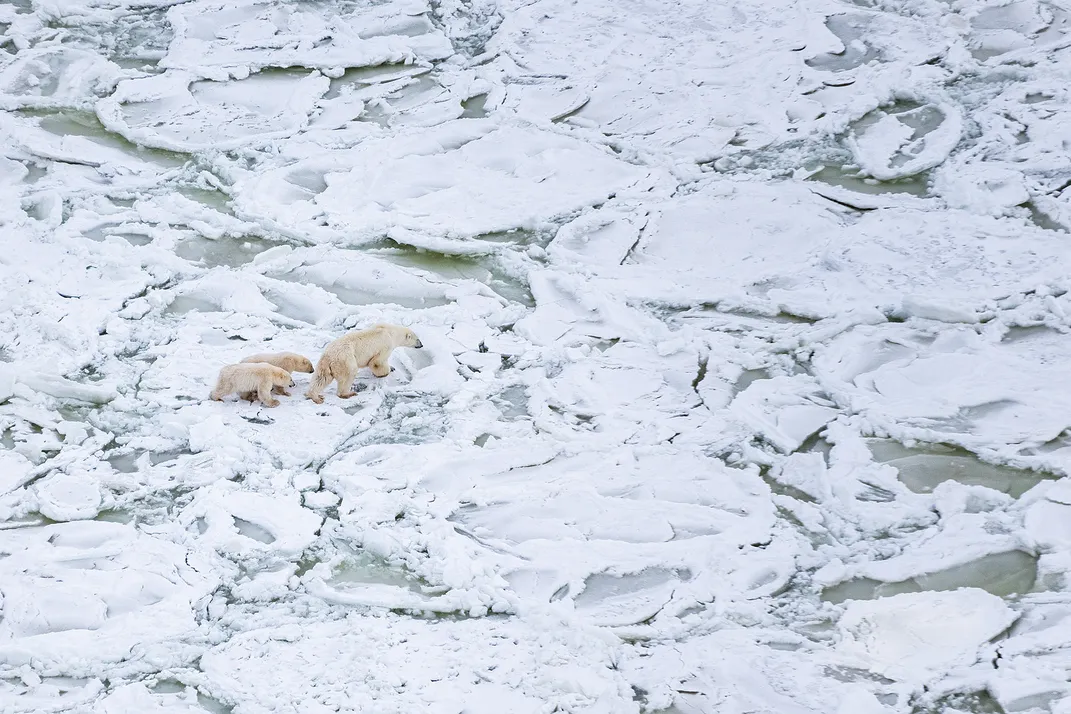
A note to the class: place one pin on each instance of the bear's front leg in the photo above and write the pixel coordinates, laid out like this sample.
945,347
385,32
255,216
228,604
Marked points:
379,366
264,394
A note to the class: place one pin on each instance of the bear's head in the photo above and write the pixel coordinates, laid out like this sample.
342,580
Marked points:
398,335
410,339
301,364
281,378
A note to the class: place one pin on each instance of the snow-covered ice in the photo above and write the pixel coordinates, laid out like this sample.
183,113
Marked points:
745,383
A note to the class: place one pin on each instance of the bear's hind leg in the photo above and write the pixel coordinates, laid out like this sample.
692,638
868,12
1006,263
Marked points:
320,379
345,381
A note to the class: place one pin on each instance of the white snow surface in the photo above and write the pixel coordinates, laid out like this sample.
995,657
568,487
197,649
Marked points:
745,380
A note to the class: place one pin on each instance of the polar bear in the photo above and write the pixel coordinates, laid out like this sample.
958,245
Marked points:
257,377
289,361
367,348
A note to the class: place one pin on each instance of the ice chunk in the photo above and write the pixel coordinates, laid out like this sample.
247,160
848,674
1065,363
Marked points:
173,111
918,636
15,470
361,279
69,496
625,599
1049,524
241,522
55,77
457,179
66,389
783,410
956,385
262,33
893,145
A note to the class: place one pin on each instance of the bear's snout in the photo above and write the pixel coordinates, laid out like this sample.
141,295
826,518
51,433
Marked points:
418,344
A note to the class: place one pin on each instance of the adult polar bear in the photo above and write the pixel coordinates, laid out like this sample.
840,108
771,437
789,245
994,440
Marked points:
343,357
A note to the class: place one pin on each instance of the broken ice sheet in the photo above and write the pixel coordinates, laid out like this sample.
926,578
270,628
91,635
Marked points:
639,442
131,589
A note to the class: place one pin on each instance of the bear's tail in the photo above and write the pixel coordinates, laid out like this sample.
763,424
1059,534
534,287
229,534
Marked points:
320,380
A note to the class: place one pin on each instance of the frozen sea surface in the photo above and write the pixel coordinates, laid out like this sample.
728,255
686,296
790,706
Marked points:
746,382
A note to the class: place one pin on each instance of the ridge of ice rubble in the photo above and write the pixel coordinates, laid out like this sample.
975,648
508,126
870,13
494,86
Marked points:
745,383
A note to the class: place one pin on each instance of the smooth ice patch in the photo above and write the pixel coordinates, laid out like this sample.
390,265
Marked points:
923,470
1002,574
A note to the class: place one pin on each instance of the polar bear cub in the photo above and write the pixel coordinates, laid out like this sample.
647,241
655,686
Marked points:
257,377
290,361
343,357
